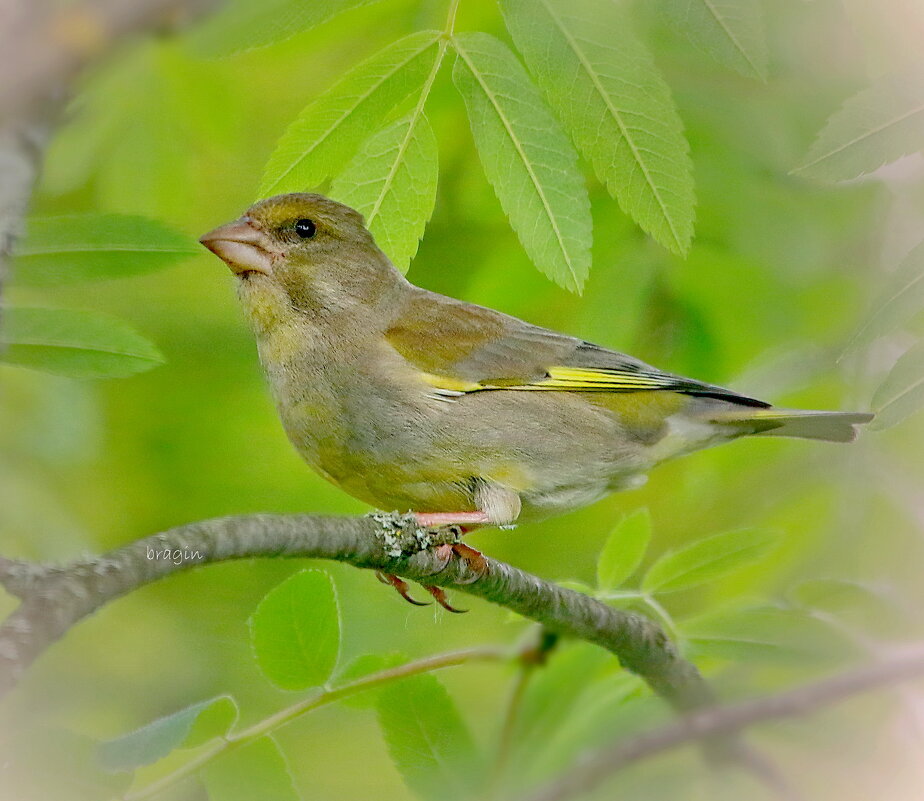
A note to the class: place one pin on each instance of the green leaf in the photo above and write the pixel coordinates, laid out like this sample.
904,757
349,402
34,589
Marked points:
872,128
708,559
187,728
902,300
607,90
624,550
902,393
588,723
427,739
875,610
295,631
327,133
79,344
556,690
392,182
256,771
245,25
731,31
526,157
577,586
765,634
87,247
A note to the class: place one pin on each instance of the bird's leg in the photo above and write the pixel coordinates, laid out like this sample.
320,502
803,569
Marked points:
495,505
465,520
401,587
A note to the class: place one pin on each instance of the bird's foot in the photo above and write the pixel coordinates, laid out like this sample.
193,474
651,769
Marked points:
401,587
474,560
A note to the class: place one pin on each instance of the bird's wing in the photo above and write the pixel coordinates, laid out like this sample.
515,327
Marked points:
462,348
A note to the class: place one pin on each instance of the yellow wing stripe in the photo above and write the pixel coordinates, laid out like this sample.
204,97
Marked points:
562,378
612,380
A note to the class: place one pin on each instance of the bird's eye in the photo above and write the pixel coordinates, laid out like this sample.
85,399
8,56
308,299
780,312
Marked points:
305,228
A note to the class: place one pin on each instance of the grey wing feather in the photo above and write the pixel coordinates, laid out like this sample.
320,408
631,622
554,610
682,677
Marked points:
495,348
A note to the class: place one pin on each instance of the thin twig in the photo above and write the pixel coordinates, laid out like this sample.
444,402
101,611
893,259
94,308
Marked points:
222,745
533,655
723,720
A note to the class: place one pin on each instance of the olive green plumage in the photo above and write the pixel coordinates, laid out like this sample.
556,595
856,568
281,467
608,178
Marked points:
411,400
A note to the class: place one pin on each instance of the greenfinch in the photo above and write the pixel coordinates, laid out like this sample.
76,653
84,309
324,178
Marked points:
411,400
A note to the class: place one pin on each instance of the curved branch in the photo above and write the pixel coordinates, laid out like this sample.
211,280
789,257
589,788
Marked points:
56,598
724,720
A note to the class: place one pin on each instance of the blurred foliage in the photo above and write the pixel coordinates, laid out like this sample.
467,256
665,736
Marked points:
801,284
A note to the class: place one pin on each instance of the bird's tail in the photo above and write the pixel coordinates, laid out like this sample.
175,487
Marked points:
772,422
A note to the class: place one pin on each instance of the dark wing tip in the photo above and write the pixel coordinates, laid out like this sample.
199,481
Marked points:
720,393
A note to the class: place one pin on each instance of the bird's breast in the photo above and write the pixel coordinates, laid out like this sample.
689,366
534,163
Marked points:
350,408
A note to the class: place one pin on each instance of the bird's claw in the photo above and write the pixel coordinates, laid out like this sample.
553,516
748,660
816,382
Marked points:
440,595
401,587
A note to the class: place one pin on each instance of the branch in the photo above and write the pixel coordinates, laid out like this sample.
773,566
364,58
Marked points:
45,45
21,146
55,598
724,720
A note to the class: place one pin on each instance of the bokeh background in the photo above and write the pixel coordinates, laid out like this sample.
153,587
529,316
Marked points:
779,278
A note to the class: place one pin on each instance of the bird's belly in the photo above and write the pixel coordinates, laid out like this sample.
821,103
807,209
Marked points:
561,492
377,447
410,453
557,500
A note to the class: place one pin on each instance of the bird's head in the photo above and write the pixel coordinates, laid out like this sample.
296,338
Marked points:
303,253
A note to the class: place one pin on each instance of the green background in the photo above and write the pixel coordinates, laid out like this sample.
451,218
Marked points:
778,279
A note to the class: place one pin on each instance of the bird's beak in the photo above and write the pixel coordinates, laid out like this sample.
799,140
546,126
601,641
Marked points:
244,248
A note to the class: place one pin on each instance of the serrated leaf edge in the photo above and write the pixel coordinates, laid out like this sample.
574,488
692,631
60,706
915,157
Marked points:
413,119
760,72
672,553
617,117
865,135
267,189
526,163
860,335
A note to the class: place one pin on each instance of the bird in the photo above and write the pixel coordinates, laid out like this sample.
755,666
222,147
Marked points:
460,414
